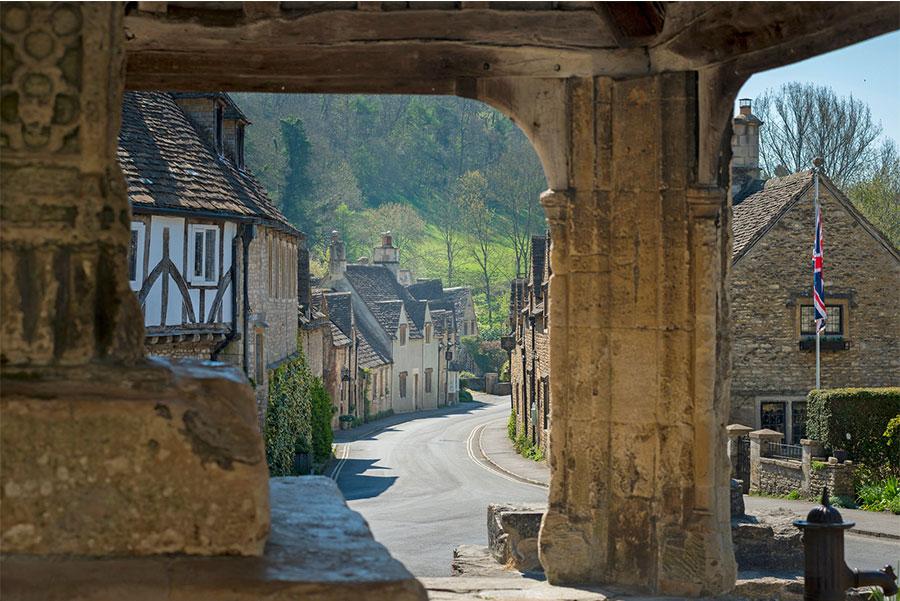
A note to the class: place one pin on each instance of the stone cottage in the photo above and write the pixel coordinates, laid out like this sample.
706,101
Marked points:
212,261
452,312
399,327
773,332
529,346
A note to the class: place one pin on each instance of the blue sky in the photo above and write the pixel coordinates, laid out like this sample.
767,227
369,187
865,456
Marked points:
869,70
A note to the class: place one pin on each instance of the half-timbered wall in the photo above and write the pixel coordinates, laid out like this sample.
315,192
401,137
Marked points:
183,283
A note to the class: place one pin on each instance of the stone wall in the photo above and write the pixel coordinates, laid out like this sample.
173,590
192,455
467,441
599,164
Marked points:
837,477
779,476
774,275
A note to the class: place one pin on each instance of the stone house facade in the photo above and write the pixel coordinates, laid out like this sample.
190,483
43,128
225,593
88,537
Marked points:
773,349
529,346
212,260
402,348
452,309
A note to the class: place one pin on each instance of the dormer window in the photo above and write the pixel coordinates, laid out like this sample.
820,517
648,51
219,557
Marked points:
402,335
427,333
220,129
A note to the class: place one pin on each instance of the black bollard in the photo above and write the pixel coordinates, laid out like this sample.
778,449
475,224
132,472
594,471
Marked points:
825,574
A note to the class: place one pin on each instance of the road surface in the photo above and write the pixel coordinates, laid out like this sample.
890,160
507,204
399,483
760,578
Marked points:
423,488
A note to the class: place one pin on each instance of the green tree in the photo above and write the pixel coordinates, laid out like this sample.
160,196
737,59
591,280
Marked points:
297,192
878,196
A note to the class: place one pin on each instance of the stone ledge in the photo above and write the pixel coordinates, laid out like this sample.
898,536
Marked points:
159,457
318,549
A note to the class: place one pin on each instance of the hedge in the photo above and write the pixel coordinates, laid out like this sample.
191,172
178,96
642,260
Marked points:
856,420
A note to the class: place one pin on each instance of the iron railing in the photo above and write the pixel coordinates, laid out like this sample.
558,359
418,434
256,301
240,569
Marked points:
784,451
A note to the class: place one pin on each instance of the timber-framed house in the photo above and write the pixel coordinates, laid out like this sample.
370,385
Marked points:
212,261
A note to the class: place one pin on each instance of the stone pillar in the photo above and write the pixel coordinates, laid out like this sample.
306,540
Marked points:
104,452
65,214
758,440
810,449
735,432
639,493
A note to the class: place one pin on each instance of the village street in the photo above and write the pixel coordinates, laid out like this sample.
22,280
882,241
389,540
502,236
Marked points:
424,486
420,490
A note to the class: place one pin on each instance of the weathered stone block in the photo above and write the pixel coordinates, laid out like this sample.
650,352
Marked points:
158,458
767,542
513,534
318,550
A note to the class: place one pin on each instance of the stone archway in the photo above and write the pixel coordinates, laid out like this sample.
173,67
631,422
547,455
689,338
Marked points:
627,106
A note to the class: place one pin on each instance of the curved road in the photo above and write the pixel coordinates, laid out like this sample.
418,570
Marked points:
420,482
421,491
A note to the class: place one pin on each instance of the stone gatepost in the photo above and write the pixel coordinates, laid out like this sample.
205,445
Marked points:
758,440
735,433
639,493
104,452
811,448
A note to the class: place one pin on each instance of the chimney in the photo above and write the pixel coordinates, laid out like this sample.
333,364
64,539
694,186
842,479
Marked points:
744,147
387,254
337,258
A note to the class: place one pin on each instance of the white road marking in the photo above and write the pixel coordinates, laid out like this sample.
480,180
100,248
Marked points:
470,446
345,454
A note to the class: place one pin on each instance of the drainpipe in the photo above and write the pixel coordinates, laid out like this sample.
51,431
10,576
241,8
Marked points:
248,232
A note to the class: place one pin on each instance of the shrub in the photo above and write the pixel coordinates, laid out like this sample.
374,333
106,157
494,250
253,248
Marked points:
485,354
503,376
511,425
465,396
857,420
880,496
793,495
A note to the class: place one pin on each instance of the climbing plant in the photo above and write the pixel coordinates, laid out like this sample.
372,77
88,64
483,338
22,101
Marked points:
288,417
322,410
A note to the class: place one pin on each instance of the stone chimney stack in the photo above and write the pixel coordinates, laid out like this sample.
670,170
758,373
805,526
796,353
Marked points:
387,254
744,147
337,257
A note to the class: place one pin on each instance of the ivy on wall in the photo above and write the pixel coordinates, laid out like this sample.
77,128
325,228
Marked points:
288,418
298,419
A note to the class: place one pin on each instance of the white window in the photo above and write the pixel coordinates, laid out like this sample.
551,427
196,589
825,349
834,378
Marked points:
203,254
136,255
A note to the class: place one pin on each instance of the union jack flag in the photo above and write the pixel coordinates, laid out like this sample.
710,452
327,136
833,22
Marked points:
818,283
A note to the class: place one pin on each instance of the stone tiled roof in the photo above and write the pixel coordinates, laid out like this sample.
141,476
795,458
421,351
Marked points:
369,354
338,338
376,285
387,313
427,290
458,296
758,212
168,165
232,110
339,311
441,319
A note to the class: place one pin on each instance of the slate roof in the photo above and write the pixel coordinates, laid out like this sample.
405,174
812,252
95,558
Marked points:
338,338
458,297
753,217
380,291
440,319
168,165
232,110
339,311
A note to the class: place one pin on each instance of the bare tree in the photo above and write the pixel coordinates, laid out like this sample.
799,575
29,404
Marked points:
403,221
483,228
452,217
515,184
878,195
803,121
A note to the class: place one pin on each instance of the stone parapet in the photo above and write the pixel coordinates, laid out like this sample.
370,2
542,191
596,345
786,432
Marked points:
319,549
163,457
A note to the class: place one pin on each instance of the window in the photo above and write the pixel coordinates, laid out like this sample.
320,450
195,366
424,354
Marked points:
403,335
203,254
260,356
427,333
798,421
220,116
239,146
834,323
402,384
136,255
772,416
465,328
428,373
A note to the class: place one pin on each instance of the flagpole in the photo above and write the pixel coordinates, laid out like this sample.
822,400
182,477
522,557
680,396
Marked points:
816,209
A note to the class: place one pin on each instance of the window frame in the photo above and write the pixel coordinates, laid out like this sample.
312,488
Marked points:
830,304
788,402
402,333
427,333
429,373
402,377
192,277
137,256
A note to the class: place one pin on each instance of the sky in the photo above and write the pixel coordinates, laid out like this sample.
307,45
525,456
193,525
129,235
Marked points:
870,71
